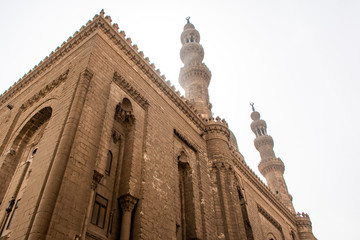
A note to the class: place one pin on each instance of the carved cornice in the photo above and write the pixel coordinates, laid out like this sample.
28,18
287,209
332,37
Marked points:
271,164
44,91
128,202
194,69
192,145
270,219
262,187
121,82
125,45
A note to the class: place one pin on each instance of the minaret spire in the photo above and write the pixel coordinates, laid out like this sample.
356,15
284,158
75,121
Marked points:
271,167
194,76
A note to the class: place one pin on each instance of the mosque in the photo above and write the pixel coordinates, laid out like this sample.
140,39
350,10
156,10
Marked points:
96,144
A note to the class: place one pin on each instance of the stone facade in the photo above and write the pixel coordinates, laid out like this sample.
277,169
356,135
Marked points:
96,144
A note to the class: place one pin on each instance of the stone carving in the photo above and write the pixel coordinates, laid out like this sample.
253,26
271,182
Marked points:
128,202
186,140
48,88
271,220
121,82
122,115
96,179
115,136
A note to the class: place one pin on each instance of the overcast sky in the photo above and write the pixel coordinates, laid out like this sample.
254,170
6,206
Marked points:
298,61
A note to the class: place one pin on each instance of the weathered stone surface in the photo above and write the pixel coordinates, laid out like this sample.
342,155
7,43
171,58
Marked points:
95,144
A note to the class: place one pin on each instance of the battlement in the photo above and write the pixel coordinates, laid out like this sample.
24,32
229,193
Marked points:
303,219
217,120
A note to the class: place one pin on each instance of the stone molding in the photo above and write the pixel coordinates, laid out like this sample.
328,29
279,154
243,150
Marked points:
44,91
262,187
271,164
93,236
121,82
128,202
217,128
186,140
271,220
96,179
125,45
194,69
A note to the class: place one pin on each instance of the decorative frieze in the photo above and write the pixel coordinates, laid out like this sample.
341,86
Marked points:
271,220
262,187
44,91
121,82
271,164
192,145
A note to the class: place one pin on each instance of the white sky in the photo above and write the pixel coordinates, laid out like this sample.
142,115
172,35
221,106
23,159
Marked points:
297,60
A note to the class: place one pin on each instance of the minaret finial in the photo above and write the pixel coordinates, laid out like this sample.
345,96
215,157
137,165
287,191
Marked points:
188,19
252,106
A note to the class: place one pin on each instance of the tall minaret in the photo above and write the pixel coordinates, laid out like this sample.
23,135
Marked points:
271,167
194,76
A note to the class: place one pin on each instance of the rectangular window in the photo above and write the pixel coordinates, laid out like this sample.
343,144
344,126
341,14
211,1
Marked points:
13,214
99,211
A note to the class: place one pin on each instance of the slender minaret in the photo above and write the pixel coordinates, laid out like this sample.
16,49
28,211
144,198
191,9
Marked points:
194,76
271,167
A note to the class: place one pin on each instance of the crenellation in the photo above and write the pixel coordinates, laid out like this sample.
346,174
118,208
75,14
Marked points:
173,168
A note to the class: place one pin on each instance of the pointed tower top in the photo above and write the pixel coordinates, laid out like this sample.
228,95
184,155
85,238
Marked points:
194,76
271,167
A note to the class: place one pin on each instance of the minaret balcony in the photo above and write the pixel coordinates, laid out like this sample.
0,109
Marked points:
271,165
192,72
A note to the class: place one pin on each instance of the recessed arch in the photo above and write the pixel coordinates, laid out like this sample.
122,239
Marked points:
22,143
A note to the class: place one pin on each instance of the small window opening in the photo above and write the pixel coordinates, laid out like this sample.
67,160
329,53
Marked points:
108,162
259,132
277,192
34,152
99,211
13,214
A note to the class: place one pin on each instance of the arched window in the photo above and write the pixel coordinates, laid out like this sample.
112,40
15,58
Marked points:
186,229
34,152
108,162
